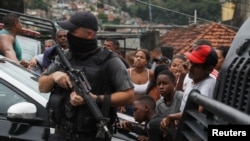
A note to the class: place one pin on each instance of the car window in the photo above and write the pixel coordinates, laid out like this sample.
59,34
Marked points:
30,47
22,75
8,97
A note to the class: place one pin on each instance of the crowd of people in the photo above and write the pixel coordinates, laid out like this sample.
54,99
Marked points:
141,83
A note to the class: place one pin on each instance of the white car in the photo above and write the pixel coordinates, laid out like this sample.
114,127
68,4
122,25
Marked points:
22,107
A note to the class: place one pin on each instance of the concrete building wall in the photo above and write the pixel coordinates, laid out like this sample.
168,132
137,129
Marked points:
245,8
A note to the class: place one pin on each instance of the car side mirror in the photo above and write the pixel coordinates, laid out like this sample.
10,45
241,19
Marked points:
25,123
23,112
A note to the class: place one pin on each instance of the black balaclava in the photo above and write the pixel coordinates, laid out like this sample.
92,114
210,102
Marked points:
80,45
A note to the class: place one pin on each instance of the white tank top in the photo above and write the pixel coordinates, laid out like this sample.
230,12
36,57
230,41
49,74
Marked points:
140,88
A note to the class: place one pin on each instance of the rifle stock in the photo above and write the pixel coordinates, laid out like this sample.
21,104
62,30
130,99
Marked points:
83,88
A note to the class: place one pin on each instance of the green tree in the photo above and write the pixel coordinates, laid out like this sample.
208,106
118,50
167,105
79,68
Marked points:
37,4
115,21
103,17
178,12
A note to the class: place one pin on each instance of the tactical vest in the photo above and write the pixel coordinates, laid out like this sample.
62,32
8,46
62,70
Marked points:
80,118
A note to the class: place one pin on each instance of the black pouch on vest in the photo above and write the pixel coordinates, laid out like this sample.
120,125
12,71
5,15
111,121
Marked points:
85,121
56,104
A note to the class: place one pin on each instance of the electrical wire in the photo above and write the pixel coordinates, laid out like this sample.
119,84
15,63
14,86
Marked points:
201,19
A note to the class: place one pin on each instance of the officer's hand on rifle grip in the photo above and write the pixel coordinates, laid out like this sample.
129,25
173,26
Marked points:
62,79
75,99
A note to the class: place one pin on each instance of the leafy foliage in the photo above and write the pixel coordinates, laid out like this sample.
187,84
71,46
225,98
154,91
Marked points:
103,17
179,12
37,4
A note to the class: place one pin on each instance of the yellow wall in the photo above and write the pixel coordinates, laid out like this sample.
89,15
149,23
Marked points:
228,9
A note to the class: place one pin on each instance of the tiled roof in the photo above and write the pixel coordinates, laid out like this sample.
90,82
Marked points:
182,39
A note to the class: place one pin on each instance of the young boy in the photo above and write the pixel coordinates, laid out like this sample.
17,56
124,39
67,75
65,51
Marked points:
169,102
144,111
171,99
202,61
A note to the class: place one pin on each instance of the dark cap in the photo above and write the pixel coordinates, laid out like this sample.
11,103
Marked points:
80,19
203,54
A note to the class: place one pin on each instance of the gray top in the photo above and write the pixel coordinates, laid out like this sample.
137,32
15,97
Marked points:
164,110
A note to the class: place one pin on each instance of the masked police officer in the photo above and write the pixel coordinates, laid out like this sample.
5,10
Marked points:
105,72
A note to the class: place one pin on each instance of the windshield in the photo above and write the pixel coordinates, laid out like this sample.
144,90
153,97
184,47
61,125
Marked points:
22,75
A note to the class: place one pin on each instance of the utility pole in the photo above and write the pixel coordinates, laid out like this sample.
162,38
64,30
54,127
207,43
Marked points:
150,14
195,16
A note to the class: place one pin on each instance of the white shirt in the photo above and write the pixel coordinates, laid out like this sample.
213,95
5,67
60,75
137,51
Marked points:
206,88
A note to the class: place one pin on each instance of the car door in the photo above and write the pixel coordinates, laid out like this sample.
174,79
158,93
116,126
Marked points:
20,129
11,94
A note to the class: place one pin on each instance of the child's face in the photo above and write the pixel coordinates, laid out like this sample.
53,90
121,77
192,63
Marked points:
174,67
140,111
165,85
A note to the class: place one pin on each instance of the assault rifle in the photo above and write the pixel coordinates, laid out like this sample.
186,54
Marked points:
82,87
